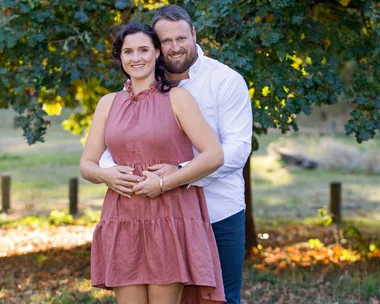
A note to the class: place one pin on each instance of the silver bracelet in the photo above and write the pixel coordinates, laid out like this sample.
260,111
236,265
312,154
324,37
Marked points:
161,182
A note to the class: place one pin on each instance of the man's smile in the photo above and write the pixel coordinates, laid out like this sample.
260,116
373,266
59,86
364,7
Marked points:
176,56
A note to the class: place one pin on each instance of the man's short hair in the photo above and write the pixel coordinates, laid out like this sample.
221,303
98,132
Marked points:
173,13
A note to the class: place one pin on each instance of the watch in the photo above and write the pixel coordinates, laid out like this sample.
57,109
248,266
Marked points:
183,186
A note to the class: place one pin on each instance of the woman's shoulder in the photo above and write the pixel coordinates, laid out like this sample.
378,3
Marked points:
178,93
181,99
106,100
105,103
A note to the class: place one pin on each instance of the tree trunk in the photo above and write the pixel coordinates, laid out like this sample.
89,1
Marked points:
250,231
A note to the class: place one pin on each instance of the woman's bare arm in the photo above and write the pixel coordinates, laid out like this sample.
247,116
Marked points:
95,145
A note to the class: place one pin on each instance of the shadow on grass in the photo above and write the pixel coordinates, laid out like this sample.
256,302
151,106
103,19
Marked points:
51,276
348,284
62,276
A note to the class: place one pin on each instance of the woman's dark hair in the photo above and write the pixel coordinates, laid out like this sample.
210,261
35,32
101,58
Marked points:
134,28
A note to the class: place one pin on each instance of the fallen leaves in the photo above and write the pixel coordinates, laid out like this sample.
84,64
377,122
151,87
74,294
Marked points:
289,248
60,268
24,240
301,254
52,265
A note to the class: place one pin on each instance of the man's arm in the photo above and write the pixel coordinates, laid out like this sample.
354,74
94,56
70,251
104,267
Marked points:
234,123
106,160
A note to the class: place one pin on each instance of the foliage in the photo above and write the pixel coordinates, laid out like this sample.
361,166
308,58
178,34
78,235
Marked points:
56,218
56,54
294,55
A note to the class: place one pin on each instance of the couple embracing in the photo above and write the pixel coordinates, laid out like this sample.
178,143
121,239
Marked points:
170,147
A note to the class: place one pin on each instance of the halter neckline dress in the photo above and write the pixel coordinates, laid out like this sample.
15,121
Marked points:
157,241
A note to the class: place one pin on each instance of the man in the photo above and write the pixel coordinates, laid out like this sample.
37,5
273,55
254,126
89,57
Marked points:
222,96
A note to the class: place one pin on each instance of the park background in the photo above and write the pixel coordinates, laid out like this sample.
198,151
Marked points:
312,71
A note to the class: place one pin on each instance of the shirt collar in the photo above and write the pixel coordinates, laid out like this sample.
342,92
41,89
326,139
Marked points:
197,64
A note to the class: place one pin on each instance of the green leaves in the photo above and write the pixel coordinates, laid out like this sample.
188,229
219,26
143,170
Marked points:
81,16
33,122
307,54
121,4
304,48
48,49
271,37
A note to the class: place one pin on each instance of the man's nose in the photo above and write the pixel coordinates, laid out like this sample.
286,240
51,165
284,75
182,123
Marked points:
176,47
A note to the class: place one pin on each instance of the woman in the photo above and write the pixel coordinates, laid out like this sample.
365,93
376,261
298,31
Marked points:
155,246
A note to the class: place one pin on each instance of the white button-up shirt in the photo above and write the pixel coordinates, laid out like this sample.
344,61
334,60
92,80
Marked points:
222,96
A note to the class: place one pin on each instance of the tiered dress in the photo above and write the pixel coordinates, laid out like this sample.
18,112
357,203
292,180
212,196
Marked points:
157,241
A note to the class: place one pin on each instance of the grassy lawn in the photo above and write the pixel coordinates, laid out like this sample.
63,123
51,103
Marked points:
285,192
311,287
284,197
40,175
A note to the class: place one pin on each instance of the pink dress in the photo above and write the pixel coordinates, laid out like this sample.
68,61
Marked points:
157,241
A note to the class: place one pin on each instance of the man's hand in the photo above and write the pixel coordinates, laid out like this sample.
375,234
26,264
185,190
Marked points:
120,179
163,169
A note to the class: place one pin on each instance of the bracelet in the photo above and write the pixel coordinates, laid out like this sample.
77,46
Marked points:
161,182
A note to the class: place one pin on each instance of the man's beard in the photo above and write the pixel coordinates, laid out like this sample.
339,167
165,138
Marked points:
181,66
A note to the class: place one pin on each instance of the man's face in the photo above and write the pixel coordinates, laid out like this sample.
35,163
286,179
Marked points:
178,44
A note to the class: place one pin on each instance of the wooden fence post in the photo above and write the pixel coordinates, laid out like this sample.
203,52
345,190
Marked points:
335,201
73,195
5,193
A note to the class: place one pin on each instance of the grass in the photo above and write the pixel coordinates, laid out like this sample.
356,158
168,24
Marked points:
40,175
305,286
75,290
80,293
69,282
281,191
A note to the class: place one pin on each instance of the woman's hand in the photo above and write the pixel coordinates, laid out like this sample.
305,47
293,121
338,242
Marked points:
163,169
120,179
149,185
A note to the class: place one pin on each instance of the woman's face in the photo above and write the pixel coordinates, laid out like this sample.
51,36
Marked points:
138,56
